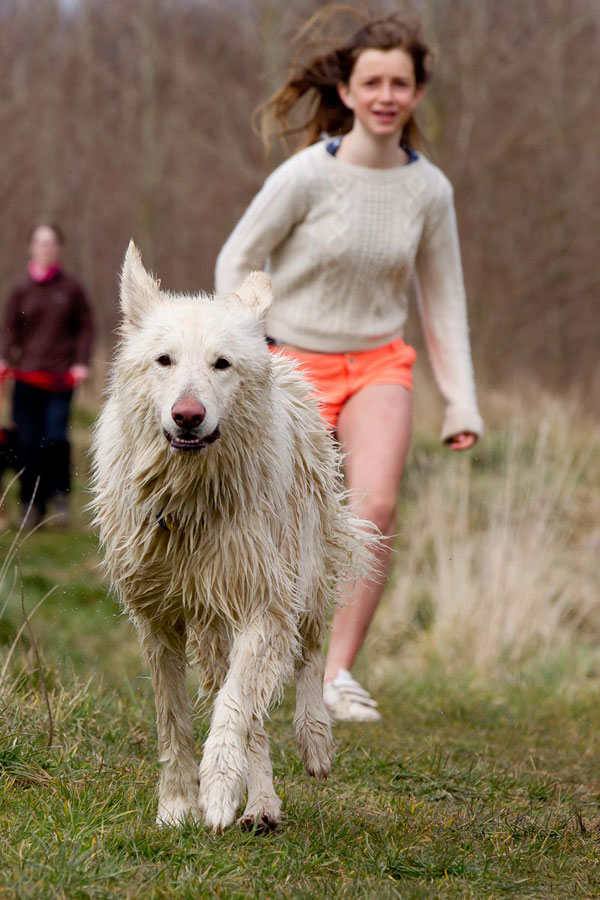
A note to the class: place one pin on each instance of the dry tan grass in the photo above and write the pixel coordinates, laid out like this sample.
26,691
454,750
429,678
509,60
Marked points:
497,563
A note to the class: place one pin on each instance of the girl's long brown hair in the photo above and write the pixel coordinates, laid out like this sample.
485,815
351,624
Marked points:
315,83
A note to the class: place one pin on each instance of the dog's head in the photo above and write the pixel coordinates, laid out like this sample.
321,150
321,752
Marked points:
192,363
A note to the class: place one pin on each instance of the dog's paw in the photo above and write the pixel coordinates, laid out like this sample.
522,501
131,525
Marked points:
218,817
318,768
317,750
218,806
176,811
262,816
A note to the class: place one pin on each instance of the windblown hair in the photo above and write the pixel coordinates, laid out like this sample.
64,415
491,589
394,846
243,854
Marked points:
316,82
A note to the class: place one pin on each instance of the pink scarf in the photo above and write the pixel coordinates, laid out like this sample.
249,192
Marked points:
40,275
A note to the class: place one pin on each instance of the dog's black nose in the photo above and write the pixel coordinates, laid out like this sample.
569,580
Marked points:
188,413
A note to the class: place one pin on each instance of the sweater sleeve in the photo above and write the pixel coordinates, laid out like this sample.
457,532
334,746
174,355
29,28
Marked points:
85,329
280,204
443,310
10,336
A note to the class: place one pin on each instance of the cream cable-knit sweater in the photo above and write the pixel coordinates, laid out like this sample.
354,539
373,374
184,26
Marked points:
342,243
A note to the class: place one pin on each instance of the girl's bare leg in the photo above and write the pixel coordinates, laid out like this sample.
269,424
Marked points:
374,430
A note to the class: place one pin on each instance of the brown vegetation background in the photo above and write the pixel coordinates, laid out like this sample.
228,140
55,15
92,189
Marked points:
133,119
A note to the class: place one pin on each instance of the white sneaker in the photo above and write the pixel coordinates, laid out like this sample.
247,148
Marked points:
347,701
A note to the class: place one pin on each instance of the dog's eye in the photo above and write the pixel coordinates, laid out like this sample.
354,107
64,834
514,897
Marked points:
222,363
164,360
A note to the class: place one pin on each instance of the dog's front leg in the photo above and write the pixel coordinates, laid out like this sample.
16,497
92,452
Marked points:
256,668
164,650
263,809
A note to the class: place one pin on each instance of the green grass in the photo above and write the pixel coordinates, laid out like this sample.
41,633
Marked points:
472,787
459,793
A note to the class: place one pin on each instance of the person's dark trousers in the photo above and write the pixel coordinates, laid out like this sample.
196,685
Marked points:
9,450
42,421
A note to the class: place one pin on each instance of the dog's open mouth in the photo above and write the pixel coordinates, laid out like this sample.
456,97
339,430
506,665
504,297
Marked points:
188,441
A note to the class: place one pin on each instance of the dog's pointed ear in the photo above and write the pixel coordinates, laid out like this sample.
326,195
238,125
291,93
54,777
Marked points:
255,292
139,290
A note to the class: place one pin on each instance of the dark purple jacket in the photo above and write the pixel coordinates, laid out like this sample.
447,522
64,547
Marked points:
48,326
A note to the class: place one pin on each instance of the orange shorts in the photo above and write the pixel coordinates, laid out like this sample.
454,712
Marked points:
337,376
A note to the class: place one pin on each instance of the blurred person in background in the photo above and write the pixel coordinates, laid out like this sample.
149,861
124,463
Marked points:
343,227
45,346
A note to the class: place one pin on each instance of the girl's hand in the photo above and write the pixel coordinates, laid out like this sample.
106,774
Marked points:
462,441
79,373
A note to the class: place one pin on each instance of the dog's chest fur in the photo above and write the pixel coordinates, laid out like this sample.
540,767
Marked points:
234,531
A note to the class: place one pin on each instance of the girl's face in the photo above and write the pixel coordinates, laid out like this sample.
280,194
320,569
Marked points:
382,91
44,249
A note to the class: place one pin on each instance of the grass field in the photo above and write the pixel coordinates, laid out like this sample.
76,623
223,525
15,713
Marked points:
483,779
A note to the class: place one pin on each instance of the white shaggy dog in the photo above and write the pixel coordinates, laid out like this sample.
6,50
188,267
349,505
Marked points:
219,505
